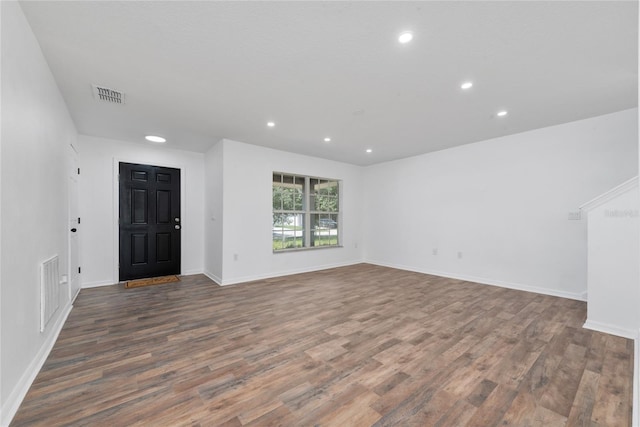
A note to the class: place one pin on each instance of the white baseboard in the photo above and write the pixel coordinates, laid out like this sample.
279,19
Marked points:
73,297
192,271
12,402
251,278
485,281
98,284
611,329
213,277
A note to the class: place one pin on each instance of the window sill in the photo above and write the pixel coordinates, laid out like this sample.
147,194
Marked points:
314,248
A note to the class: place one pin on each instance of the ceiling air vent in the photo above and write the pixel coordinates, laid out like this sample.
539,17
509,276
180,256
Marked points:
105,94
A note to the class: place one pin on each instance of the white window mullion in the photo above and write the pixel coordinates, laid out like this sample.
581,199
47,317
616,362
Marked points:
339,213
307,210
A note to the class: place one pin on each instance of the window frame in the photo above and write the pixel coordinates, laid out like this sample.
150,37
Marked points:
308,212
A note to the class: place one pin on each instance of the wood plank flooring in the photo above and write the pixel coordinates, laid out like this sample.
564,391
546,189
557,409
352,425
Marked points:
354,346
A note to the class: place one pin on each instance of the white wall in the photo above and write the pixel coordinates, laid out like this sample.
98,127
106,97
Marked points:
36,132
1,319
247,213
613,252
213,212
502,203
99,159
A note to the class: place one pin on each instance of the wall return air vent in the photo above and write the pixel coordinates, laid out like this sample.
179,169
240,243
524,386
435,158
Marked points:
106,94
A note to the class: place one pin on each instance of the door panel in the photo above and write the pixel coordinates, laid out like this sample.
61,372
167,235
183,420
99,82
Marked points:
163,206
139,206
150,224
163,247
139,248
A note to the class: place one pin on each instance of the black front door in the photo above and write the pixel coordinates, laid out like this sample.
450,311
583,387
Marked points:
149,221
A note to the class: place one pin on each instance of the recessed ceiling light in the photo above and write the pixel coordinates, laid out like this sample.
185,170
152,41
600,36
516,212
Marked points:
502,113
327,139
405,37
154,138
271,124
466,85
369,150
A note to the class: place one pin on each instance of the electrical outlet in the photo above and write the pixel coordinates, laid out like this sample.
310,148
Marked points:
435,251
235,257
459,255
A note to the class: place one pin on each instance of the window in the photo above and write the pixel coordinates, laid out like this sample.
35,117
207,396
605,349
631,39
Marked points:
306,212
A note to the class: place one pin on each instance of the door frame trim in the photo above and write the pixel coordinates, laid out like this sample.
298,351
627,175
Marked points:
116,205
73,153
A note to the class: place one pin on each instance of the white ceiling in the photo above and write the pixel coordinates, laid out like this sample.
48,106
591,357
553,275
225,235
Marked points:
196,72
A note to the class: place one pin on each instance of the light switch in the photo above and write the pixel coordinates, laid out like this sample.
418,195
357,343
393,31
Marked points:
577,215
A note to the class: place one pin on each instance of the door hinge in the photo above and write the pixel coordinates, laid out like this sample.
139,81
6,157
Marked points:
78,171
79,270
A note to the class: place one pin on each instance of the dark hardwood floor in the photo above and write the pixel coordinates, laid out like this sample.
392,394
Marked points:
353,346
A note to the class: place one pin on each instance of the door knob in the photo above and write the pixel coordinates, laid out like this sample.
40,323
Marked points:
73,230
177,227
177,219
